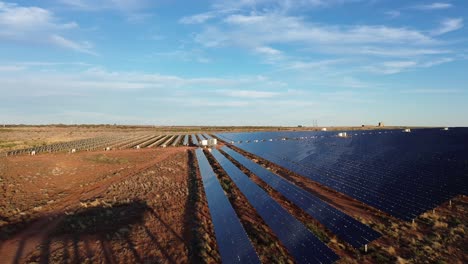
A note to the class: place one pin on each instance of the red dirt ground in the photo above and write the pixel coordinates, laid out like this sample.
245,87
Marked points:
119,206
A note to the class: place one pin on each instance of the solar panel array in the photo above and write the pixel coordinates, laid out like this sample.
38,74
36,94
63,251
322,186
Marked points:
342,225
300,242
233,242
403,174
186,140
194,140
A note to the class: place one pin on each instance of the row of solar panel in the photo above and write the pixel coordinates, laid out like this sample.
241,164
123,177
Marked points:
233,242
345,227
299,241
359,191
399,173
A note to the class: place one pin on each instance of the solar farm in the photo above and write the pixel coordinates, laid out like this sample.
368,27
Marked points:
346,196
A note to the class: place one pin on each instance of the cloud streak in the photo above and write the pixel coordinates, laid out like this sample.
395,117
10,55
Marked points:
448,25
37,25
434,6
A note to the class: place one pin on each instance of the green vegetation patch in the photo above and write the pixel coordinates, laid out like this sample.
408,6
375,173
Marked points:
101,158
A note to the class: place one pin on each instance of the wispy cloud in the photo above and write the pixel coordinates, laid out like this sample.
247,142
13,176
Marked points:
448,25
189,55
96,78
433,6
393,13
267,50
198,18
95,5
37,25
280,4
255,30
248,93
84,47
431,91
135,11
11,68
392,67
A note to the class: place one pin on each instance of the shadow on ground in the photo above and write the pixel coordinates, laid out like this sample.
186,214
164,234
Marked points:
78,234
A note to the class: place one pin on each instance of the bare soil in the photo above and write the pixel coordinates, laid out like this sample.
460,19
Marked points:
129,206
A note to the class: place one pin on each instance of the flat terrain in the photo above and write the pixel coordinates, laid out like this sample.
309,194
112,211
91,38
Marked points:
18,137
125,206
148,206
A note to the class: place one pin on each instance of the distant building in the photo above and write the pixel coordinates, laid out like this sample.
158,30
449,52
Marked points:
381,124
406,130
209,142
324,129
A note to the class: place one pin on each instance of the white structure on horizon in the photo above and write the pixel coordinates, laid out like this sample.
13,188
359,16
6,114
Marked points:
406,130
324,129
446,129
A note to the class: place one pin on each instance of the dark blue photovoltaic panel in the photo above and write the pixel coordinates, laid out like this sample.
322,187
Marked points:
194,140
300,242
403,174
186,140
207,136
342,225
233,242
201,136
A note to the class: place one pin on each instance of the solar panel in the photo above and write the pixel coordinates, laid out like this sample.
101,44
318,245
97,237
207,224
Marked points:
403,174
186,140
300,242
194,140
345,227
233,242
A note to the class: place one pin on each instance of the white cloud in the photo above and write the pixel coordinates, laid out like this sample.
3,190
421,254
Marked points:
310,65
84,47
198,18
267,50
448,25
135,11
434,6
385,51
392,67
96,78
248,93
431,91
122,5
11,68
256,30
183,55
280,4
36,25
393,13
16,19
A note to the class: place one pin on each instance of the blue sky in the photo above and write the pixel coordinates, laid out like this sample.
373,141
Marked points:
247,62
